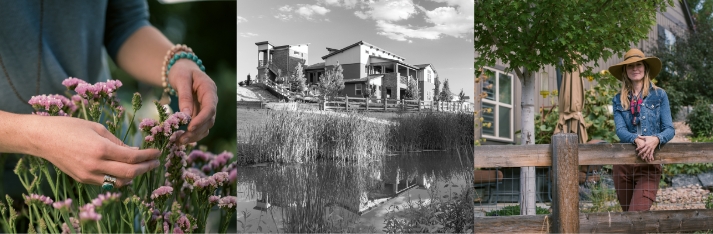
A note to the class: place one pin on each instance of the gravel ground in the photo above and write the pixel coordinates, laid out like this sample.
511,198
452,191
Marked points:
683,132
687,197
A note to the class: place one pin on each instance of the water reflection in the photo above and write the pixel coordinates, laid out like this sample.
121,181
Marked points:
332,197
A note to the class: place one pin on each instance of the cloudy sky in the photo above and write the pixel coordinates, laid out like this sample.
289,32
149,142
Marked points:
439,32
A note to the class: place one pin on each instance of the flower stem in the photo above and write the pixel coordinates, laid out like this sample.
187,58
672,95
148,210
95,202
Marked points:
131,123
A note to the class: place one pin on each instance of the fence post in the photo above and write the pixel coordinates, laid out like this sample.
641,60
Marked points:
565,165
419,105
385,102
346,102
367,102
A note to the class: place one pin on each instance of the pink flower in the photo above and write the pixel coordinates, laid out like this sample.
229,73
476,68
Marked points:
233,177
220,177
104,198
184,223
147,124
197,155
213,199
66,204
175,135
34,198
46,102
41,113
205,183
161,191
87,213
72,82
75,223
228,202
149,138
190,177
178,230
182,117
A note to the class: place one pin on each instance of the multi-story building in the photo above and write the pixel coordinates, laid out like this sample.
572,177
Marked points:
363,64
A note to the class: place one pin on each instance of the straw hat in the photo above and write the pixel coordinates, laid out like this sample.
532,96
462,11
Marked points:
635,55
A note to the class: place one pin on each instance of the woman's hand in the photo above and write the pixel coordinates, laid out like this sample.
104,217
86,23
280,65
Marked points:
84,150
646,150
197,96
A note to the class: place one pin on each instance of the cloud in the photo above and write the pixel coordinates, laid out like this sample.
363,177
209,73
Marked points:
349,4
402,33
248,34
242,19
361,15
305,11
389,10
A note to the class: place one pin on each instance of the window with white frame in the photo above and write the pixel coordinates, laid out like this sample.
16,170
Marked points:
357,90
497,106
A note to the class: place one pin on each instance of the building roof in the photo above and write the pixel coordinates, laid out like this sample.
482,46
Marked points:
396,61
315,66
262,42
334,52
363,79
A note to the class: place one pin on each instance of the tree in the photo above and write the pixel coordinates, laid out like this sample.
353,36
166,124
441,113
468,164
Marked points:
686,65
461,96
370,90
436,90
331,82
248,79
528,35
297,80
446,94
412,91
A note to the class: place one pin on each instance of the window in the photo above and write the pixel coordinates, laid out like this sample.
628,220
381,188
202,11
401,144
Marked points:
497,106
357,90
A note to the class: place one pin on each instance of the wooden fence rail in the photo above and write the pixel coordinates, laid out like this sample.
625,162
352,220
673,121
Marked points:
590,154
347,103
619,222
564,155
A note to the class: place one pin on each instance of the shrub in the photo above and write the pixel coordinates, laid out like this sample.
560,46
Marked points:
700,120
447,214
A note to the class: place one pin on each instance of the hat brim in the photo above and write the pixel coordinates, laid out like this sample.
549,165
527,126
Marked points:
653,62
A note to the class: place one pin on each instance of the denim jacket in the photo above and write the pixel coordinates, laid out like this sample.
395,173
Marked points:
655,118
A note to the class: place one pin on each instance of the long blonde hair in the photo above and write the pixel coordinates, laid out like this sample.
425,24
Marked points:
627,85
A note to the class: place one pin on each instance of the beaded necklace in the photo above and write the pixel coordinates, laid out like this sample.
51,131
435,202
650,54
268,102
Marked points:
39,62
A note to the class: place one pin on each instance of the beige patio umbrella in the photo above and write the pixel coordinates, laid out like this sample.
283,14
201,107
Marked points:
571,103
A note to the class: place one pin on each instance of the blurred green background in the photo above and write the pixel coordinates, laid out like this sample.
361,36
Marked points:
209,28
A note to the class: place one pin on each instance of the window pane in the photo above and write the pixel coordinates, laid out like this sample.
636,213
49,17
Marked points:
504,122
489,87
488,117
505,88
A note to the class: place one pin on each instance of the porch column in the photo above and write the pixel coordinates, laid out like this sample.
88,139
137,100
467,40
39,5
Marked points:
396,91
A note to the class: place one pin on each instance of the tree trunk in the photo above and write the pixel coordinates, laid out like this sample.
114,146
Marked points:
527,174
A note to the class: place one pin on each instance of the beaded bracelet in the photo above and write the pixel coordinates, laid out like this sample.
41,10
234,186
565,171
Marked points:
174,54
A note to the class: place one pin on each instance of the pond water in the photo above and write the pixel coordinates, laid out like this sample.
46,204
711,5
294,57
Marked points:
336,197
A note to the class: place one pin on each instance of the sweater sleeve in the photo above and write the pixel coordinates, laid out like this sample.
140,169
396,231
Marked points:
123,18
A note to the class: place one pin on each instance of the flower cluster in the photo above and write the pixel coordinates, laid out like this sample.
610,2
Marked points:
170,198
66,204
88,213
228,202
34,198
103,199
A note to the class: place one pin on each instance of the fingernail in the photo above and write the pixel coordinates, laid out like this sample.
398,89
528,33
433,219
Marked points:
187,111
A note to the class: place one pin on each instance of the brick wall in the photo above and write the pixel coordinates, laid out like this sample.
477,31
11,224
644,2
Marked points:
391,81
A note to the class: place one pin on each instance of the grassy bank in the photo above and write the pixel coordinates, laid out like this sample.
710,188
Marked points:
289,136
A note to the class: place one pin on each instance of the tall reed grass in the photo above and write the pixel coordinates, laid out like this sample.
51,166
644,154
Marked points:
432,131
294,136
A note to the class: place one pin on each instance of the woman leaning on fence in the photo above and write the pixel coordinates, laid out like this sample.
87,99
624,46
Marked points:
643,117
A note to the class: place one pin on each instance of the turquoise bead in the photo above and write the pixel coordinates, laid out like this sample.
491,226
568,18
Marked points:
202,68
107,186
199,62
169,67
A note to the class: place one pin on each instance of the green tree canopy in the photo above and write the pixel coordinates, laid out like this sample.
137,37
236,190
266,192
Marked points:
534,33
687,63
332,81
437,90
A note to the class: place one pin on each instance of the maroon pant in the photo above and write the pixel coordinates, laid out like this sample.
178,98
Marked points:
636,185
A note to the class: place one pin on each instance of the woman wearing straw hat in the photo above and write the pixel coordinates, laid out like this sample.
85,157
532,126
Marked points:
643,117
